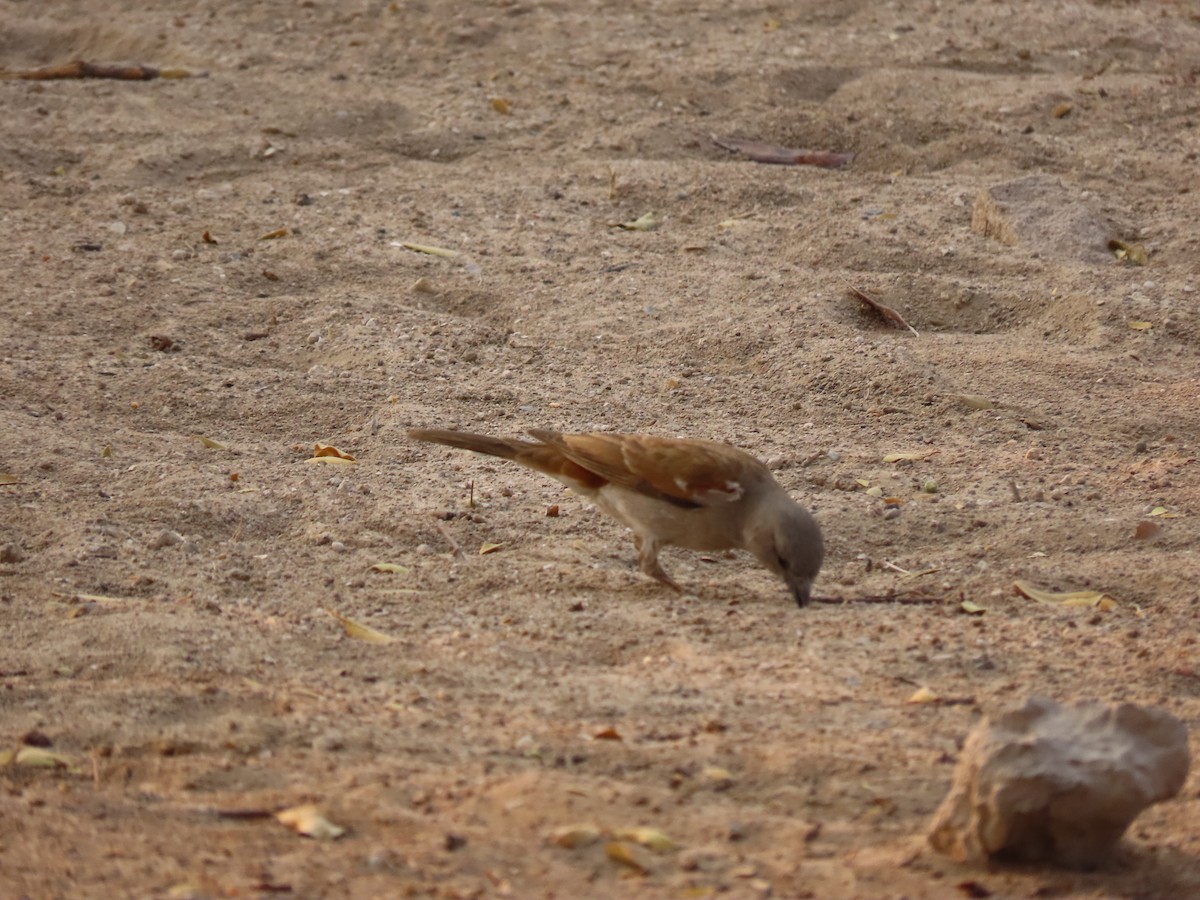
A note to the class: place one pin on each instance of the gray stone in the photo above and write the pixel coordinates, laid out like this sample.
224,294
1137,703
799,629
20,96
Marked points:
1047,783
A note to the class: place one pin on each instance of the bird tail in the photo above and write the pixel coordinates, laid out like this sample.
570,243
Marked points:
543,456
505,448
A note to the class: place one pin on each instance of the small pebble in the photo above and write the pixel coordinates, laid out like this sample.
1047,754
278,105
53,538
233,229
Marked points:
11,554
329,742
892,512
337,547
166,538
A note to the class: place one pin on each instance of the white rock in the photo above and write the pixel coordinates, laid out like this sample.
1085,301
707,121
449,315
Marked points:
1059,784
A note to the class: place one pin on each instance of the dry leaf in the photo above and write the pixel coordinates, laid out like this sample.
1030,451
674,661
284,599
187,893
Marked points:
973,401
272,235
502,106
572,836
717,775
608,734
432,251
923,695
362,632
972,609
6,478
1088,599
1141,326
909,457
648,837
762,152
307,821
1127,252
390,568
888,314
1146,530
622,855
211,444
489,547
644,222
328,450
41,758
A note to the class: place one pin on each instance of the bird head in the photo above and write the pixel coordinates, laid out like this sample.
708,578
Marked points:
791,546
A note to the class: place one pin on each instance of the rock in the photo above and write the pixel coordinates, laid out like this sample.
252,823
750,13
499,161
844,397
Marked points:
1043,215
1048,783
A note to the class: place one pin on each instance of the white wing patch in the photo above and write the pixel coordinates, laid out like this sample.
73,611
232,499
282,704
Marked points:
730,492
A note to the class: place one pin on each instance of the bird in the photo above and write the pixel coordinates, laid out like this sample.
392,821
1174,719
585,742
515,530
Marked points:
695,494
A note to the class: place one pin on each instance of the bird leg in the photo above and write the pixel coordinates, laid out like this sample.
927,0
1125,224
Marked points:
649,564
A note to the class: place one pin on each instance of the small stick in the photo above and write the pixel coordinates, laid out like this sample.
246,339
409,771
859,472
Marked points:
887,564
888,314
903,599
471,494
454,545
80,69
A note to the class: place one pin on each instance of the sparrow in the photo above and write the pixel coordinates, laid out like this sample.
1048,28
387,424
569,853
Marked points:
700,495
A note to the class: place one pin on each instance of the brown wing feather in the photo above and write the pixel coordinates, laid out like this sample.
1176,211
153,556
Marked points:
684,472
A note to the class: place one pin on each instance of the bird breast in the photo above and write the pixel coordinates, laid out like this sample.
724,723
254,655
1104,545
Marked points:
717,527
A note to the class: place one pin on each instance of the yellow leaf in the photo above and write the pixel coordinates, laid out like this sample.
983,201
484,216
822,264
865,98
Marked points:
1141,326
923,695
502,106
1162,512
6,478
1129,252
329,461
622,855
647,837
106,453
272,235
306,820
875,491
645,222
1065,598
390,568
211,444
973,609
361,632
323,450
489,547
572,836
41,758
432,251
717,775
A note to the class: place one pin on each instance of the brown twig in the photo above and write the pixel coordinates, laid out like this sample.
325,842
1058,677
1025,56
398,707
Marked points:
80,69
888,314
773,154
454,545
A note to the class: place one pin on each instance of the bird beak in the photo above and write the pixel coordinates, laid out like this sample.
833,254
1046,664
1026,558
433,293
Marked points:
801,588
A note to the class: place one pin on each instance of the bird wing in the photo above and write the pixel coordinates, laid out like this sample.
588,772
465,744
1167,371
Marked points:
687,473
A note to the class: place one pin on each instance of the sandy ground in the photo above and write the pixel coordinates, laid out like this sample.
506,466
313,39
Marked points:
164,602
